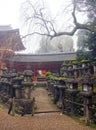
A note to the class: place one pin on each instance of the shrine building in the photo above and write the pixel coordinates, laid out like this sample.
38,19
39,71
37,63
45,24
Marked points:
10,42
47,62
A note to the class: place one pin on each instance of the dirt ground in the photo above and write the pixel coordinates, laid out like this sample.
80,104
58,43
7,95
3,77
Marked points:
43,101
44,121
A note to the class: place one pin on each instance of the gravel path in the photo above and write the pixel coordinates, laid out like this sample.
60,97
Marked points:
39,122
55,121
43,101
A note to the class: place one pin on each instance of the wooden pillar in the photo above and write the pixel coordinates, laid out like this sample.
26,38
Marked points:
56,96
13,107
33,103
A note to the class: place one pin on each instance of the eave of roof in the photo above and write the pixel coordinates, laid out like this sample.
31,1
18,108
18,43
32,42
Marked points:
43,57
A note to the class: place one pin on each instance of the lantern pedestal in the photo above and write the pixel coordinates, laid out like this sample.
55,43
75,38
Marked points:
16,90
17,86
87,92
27,89
73,91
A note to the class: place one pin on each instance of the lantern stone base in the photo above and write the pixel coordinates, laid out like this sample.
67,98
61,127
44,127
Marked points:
86,94
26,90
18,93
72,91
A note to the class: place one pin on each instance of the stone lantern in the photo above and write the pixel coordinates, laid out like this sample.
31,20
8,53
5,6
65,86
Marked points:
75,69
8,83
17,87
87,89
52,82
70,71
61,87
4,70
87,92
55,91
73,91
5,80
85,63
27,84
49,81
72,87
75,64
86,67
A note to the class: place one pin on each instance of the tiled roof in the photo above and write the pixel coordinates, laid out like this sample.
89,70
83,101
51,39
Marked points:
5,27
10,38
44,57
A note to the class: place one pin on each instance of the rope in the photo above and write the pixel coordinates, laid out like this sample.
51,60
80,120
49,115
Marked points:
74,102
79,104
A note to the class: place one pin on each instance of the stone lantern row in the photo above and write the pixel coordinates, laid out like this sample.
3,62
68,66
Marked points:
18,85
72,76
82,73
75,69
58,88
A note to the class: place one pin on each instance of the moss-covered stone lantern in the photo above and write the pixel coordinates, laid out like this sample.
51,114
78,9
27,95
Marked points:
61,90
87,89
61,86
87,92
73,91
27,83
55,90
17,87
72,85
5,80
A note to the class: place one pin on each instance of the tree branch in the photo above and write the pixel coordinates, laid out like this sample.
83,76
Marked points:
38,33
49,27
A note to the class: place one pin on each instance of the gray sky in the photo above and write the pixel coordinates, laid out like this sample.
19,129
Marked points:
10,11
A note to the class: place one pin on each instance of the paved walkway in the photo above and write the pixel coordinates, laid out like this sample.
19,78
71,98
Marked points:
55,121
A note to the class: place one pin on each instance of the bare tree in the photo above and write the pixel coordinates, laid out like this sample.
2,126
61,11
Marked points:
58,44
62,44
36,14
44,45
